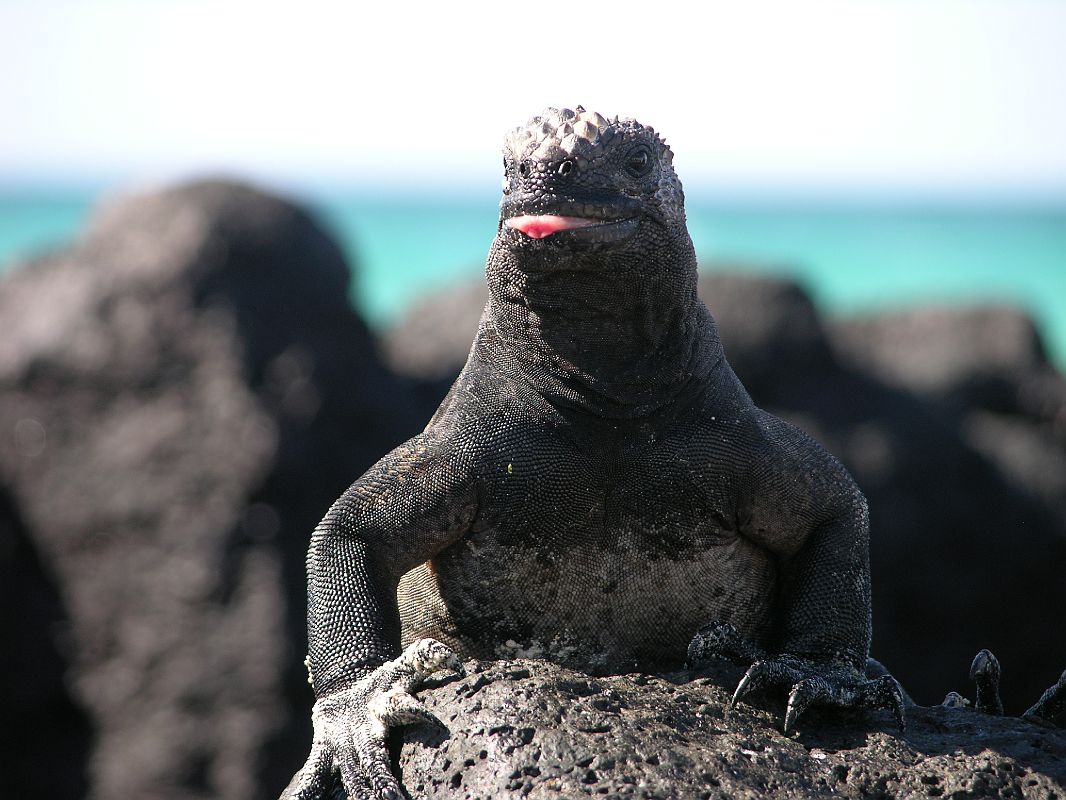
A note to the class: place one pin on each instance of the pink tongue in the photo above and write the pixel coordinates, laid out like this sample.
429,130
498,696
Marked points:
537,227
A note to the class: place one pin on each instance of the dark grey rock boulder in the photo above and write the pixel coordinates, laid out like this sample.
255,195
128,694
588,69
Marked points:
773,334
940,350
533,729
988,366
183,393
966,476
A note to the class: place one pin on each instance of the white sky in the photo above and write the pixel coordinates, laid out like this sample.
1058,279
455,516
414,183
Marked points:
949,95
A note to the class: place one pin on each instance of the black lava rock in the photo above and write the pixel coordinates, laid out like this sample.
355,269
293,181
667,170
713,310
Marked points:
532,729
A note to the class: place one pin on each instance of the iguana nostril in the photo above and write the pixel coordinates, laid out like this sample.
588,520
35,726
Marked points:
566,168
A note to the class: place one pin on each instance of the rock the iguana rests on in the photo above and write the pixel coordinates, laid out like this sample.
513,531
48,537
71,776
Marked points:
533,730
596,487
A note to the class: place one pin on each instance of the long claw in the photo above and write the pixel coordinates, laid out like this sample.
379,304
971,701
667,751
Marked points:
800,698
751,681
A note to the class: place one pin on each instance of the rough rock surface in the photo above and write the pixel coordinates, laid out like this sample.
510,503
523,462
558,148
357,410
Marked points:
531,729
967,487
183,393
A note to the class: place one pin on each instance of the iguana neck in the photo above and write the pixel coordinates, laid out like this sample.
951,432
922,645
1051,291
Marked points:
619,338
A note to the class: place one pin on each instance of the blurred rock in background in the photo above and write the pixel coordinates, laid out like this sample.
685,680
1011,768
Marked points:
186,389
183,393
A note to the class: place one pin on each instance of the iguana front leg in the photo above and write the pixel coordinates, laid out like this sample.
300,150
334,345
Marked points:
800,504
407,508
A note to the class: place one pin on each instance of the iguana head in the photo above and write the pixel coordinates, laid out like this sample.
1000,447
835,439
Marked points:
592,275
574,180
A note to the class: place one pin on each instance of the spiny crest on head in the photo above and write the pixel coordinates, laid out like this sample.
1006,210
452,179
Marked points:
559,133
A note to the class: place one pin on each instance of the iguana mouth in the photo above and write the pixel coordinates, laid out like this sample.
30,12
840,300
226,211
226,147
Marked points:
539,226
599,220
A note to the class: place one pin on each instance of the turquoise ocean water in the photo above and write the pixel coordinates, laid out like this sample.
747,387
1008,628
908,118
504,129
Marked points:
853,257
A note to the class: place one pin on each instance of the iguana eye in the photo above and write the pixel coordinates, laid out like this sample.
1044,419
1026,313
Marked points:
638,162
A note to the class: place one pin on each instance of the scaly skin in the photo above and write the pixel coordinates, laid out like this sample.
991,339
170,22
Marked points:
596,487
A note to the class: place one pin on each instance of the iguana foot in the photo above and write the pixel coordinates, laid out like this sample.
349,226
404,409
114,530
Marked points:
820,683
809,682
1050,709
351,726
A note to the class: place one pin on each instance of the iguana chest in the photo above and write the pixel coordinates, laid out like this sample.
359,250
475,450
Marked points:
605,549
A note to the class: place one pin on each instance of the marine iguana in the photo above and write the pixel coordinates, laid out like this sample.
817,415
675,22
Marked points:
596,487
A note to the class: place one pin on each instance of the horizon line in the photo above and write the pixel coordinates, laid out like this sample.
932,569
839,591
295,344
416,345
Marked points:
309,186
